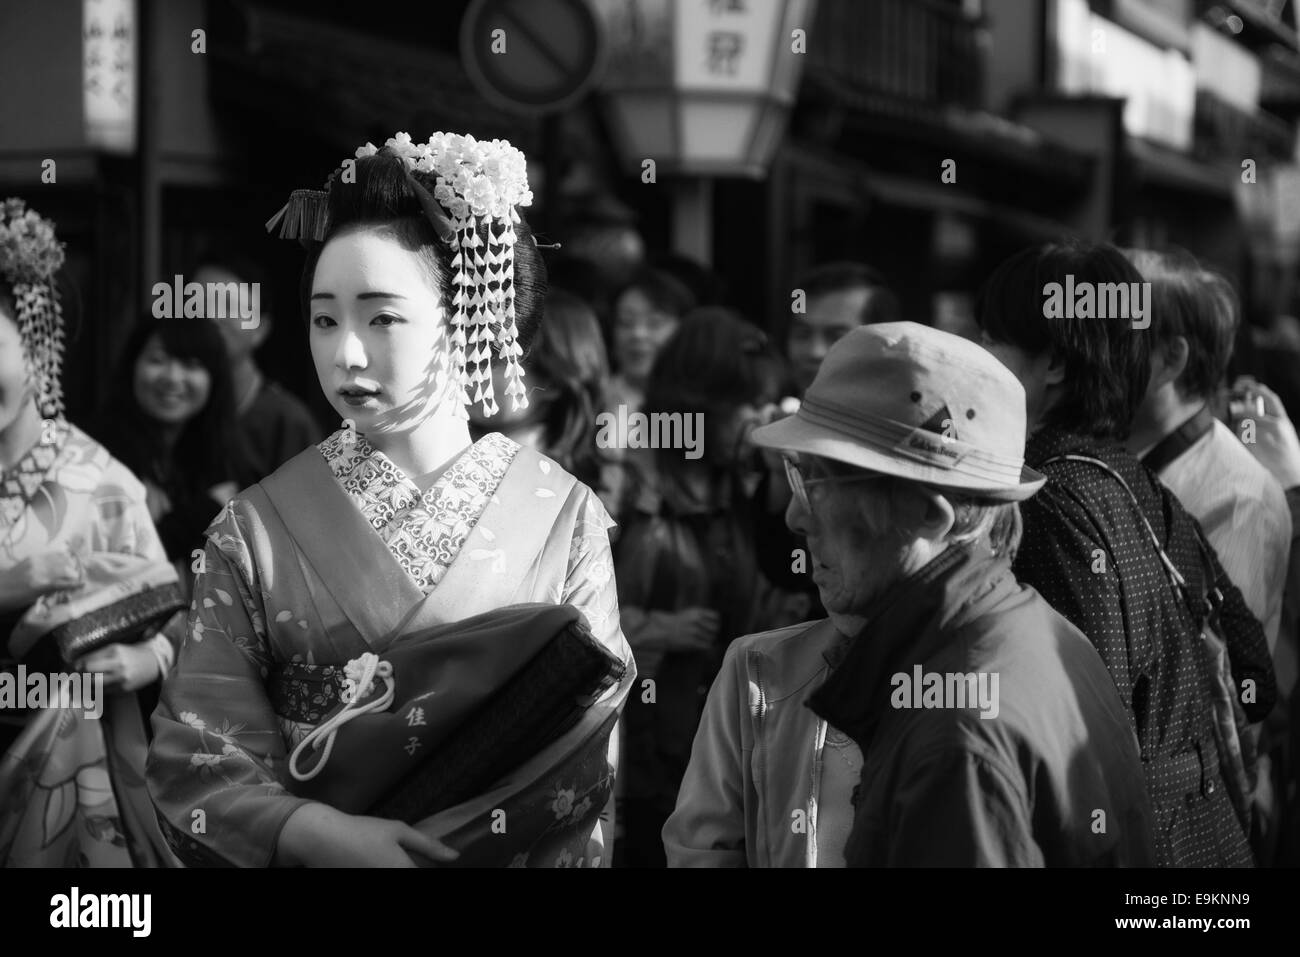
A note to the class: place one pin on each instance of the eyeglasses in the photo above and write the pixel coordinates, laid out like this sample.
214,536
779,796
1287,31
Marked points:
800,485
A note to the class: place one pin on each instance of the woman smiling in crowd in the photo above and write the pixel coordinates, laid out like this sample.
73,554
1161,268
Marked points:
172,423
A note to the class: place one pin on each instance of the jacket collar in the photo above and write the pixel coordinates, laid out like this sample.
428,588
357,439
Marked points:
1049,441
908,626
799,660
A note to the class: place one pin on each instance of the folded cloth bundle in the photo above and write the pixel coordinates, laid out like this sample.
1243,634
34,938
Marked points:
472,700
122,597
536,707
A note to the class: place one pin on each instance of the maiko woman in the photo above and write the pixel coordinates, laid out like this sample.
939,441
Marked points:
404,646
84,583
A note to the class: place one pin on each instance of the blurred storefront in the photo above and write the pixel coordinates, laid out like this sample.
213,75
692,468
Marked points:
929,138
1119,120
180,125
895,160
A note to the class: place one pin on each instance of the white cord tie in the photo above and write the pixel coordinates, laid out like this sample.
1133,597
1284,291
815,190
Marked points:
359,682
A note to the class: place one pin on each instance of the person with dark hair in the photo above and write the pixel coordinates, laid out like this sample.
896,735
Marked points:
706,286
1241,508
1110,547
687,574
1257,408
647,311
274,424
837,297
84,585
172,423
824,744
1239,505
569,372
404,639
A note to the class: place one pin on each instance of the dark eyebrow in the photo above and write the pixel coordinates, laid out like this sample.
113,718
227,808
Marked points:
360,295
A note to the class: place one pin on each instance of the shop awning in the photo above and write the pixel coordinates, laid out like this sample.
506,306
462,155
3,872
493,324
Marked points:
921,194
894,189
1173,170
994,139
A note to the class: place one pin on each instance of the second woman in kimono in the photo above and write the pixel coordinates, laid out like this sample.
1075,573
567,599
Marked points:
84,587
385,634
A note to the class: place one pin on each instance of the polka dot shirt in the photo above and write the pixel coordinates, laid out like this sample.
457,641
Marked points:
1086,550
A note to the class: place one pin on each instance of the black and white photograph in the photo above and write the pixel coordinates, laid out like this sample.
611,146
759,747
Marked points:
644,435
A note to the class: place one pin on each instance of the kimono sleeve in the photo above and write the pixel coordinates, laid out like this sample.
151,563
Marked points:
589,586
216,769
709,824
589,579
124,525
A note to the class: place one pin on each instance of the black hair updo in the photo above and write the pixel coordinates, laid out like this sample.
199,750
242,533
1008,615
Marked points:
382,196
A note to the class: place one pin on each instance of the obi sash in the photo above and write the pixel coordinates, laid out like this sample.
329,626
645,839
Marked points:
497,736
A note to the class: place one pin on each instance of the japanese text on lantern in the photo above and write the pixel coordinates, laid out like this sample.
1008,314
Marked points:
108,73
723,44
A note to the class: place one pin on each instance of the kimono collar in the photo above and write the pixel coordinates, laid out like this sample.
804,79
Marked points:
907,626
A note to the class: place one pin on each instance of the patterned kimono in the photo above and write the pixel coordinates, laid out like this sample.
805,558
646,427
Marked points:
72,789
339,554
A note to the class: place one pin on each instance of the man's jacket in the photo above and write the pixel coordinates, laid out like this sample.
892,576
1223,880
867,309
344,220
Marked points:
991,732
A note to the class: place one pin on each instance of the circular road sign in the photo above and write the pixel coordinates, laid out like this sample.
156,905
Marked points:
531,56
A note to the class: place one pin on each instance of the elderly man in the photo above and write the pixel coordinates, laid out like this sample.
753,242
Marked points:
943,715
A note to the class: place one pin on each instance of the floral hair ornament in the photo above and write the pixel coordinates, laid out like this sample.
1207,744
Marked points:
30,256
476,186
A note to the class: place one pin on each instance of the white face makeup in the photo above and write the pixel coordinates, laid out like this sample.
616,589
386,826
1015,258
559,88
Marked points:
16,389
377,330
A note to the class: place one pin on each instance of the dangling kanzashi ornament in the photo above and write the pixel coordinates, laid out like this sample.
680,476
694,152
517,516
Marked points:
476,189
30,256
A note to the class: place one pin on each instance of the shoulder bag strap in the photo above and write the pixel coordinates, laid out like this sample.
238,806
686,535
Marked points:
1175,576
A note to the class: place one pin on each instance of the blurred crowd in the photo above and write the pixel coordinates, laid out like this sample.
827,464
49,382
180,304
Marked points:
1191,415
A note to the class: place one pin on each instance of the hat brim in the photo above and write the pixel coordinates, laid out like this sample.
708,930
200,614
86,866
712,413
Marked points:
794,434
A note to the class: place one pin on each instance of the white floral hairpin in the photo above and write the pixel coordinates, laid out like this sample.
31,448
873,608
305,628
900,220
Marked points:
30,256
479,185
